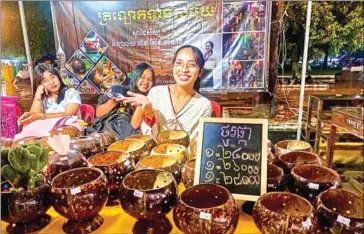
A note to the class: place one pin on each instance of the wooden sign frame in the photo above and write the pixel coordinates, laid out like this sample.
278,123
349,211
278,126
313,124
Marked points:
264,160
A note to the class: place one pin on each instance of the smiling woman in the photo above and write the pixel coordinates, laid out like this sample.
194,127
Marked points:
177,106
112,114
52,98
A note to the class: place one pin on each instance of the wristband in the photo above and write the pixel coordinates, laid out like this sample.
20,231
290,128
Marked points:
38,99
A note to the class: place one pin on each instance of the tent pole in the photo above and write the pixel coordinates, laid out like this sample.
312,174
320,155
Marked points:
26,43
304,66
54,23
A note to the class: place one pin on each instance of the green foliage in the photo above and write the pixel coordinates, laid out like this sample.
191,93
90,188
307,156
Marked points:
26,161
335,26
9,173
21,159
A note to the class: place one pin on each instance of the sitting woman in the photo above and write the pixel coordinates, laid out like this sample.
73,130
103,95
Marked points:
52,98
177,106
113,115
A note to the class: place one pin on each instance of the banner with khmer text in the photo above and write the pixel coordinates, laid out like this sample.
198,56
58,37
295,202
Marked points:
103,41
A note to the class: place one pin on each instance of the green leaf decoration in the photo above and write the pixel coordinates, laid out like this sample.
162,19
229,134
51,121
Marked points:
37,151
9,173
43,160
21,159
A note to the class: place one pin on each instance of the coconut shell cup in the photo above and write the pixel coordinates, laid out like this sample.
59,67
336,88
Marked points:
289,160
188,173
136,148
70,130
340,211
283,212
106,138
59,163
286,146
310,180
115,165
86,145
206,208
148,140
174,137
6,142
31,140
25,210
162,162
275,179
79,195
179,152
148,194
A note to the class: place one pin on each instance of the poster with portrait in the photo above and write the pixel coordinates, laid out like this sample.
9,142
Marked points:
228,33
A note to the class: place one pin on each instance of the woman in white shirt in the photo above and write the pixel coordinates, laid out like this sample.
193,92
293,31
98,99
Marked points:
177,106
52,98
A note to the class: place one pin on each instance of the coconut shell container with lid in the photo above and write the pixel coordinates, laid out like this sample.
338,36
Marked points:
62,158
59,163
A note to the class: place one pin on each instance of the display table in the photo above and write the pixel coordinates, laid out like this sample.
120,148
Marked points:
350,120
117,221
319,113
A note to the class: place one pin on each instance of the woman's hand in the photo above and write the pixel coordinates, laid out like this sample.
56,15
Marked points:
40,91
29,117
136,99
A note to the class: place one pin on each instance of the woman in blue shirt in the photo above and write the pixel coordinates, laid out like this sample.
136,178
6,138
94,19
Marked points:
52,98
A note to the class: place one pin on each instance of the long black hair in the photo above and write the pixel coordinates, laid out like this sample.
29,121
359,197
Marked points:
137,73
39,76
198,59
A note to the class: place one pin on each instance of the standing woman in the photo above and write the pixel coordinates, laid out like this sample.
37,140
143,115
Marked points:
52,98
113,114
177,106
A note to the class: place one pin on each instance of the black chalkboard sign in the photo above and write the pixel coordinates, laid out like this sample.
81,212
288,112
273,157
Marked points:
233,153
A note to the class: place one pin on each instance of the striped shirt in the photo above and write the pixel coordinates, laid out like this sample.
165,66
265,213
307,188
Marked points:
186,119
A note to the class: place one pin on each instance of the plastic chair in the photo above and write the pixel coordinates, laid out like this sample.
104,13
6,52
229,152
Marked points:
18,111
216,109
87,113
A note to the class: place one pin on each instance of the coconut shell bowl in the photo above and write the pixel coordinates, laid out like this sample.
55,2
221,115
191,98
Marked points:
179,152
105,138
136,148
289,160
173,137
79,195
340,211
286,146
275,178
188,173
148,140
310,180
206,208
148,195
86,145
163,162
72,131
25,210
283,212
115,165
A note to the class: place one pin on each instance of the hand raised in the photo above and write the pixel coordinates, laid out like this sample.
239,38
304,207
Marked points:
136,99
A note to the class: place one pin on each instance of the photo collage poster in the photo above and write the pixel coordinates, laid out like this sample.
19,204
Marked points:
234,58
